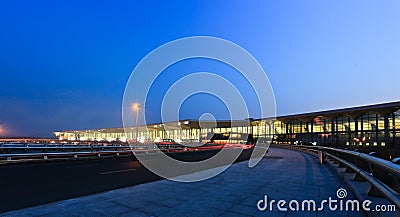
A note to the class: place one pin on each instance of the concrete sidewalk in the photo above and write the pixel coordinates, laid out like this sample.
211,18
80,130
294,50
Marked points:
282,175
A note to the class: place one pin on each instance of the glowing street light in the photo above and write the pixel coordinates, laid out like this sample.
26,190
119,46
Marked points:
3,130
136,107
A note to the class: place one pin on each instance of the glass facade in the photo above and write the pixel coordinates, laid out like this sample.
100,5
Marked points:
354,127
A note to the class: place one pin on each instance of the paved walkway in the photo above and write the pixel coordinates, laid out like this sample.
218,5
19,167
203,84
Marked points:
282,174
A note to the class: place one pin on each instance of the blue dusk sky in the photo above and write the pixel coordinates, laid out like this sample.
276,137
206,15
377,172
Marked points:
64,64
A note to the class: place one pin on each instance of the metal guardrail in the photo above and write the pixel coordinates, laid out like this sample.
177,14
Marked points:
45,152
70,148
383,189
2,148
11,152
383,175
75,155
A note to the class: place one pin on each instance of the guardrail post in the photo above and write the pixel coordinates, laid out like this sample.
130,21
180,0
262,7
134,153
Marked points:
371,169
321,157
396,182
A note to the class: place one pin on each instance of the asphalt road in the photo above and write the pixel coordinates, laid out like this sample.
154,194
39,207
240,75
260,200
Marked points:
30,184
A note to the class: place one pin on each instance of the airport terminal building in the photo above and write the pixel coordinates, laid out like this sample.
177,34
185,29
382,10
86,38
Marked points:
373,125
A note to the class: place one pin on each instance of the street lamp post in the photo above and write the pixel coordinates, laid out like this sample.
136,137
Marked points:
136,107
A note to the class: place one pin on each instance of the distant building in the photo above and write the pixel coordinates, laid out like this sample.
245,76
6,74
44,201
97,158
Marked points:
373,125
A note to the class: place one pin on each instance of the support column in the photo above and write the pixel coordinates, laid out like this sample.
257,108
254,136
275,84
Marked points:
333,134
301,131
376,129
337,133
394,129
386,131
356,129
287,133
312,130
362,132
325,132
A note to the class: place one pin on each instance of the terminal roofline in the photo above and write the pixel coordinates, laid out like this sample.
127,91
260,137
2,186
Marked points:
382,109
